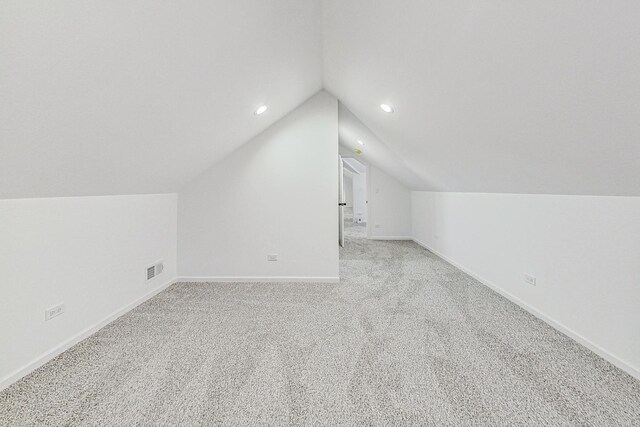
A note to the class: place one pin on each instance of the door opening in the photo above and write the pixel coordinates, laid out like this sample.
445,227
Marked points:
352,199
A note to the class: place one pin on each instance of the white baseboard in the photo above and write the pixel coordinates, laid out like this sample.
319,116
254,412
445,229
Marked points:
611,358
390,238
41,360
251,279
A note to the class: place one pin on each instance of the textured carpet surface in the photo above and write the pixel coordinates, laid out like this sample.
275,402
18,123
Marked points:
355,230
404,339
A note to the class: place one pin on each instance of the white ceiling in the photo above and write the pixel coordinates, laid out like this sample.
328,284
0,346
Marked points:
121,96
493,95
374,151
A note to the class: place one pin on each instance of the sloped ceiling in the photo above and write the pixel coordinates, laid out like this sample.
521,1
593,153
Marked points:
121,96
495,96
373,150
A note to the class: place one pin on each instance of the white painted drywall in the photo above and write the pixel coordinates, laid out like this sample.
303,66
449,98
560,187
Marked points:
360,197
583,250
277,194
135,97
374,151
89,253
389,206
522,96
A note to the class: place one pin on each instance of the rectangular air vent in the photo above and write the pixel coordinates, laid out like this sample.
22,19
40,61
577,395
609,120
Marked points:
155,270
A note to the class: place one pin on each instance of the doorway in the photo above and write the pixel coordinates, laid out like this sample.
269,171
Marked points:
353,199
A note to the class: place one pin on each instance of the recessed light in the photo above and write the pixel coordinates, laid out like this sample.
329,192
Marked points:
360,142
386,108
261,109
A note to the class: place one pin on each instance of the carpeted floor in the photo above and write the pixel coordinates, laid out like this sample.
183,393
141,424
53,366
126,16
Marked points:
355,230
405,338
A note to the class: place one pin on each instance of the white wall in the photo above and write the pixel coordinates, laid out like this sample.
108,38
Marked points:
389,207
277,194
583,250
90,253
360,197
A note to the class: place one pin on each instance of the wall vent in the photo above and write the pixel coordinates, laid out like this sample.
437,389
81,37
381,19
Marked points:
155,270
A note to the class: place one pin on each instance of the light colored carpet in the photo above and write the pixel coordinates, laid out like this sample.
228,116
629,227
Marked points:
405,338
355,230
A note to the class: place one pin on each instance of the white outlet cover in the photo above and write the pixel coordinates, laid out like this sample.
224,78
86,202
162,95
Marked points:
54,311
272,257
530,279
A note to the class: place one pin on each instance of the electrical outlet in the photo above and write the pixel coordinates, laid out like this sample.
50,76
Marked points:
52,312
272,257
530,279
378,226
